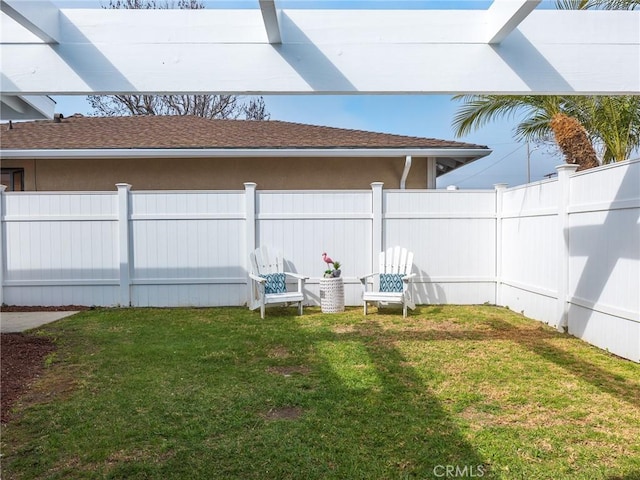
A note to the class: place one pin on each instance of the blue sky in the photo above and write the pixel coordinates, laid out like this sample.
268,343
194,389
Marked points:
424,115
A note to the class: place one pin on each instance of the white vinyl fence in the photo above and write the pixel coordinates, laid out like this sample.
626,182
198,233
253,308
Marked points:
570,254
563,251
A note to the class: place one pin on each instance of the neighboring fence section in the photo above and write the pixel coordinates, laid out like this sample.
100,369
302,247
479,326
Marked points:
564,251
604,259
570,254
531,242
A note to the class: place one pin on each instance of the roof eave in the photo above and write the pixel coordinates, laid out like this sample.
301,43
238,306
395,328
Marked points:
471,153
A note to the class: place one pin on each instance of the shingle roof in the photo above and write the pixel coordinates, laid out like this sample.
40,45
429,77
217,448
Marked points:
148,132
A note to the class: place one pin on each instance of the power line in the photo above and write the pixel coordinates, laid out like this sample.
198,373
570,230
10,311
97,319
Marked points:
491,166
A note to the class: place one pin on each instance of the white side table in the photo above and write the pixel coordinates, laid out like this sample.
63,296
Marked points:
331,295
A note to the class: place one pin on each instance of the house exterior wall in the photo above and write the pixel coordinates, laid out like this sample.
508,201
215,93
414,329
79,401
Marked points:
85,174
29,167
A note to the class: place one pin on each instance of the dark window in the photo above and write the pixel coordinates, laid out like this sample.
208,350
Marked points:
13,178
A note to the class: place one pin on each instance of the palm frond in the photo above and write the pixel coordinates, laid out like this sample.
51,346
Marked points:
478,110
597,4
611,123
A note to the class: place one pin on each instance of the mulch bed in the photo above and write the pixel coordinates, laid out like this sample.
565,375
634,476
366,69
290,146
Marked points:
22,363
22,357
58,308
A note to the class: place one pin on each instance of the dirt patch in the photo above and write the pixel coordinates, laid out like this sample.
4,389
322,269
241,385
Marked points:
22,363
283,413
279,352
57,308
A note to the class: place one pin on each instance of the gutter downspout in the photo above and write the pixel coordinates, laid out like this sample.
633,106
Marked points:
405,173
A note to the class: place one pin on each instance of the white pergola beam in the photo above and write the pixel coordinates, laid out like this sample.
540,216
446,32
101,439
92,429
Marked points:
13,102
40,17
270,18
504,16
28,107
328,51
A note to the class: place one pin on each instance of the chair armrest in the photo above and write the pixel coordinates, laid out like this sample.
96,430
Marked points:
296,275
364,278
257,278
406,278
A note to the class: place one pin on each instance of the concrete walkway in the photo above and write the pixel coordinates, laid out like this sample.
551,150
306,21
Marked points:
21,321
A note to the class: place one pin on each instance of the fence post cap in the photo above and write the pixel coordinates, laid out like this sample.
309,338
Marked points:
567,167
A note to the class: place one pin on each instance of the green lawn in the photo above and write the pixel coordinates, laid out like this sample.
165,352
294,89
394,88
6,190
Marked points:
450,392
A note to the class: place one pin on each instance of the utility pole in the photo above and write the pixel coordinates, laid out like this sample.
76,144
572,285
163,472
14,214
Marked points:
529,151
528,164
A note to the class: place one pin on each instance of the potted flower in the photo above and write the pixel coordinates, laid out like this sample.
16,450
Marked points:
334,270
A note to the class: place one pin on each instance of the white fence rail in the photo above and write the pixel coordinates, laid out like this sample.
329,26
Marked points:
565,251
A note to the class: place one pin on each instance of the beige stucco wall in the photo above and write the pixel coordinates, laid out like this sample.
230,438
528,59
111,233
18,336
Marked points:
29,171
218,173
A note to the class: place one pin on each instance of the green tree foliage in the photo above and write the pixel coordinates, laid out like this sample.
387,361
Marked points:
597,4
612,124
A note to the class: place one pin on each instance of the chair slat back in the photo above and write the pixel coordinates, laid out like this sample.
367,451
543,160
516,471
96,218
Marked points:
264,261
396,260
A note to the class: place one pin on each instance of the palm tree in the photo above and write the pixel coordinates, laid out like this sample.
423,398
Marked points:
603,4
611,123
573,140
544,114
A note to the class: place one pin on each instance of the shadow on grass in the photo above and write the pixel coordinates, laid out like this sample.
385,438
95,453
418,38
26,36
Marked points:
537,341
371,414
367,380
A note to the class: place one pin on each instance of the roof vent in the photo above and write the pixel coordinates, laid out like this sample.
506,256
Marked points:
57,117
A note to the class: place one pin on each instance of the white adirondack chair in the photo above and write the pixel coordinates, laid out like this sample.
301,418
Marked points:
395,280
268,281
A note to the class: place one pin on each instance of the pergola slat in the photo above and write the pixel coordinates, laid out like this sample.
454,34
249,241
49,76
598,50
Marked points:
40,17
507,49
270,17
505,15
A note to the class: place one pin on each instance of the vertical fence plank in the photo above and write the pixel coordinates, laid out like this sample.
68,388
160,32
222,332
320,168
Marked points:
250,233
564,172
376,213
499,188
2,243
123,243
